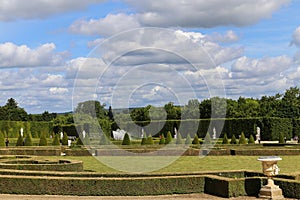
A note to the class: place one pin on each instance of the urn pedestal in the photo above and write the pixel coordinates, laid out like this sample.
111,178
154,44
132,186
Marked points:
270,169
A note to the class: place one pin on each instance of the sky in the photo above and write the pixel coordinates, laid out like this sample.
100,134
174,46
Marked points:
126,53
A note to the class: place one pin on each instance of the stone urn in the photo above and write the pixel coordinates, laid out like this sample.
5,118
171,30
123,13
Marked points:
270,169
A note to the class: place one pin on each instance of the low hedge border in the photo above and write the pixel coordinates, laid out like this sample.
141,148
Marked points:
223,184
36,151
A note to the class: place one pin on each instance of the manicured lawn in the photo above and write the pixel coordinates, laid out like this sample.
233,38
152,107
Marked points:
288,165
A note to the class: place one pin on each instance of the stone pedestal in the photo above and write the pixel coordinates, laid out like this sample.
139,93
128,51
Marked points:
270,169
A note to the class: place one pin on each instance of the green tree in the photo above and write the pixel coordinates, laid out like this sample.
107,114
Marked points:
251,139
225,139
43,140
162,139
2,139
65,139
207,139
233,140
144,139
20,141
242,139
126,140
92,108
55,141
12,112
179,139
281,138
28,140
150,140
196,140
104,140
169,138
188,140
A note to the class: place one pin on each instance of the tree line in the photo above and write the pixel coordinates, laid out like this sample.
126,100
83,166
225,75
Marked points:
286,105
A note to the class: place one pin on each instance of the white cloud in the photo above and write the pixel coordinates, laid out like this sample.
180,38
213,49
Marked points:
35,9
296,37
229,36
110,25
12,55
203,13
58,91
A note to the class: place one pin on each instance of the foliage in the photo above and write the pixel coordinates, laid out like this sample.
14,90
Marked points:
242,139
12,112
169,138
162,139
126,140
179,138
20,141
207,139
92,108
43,140
150,140
196,140
2,139
65,138
281,138
144,139
28,140
188,140
55,141
225,139
251,140
104,140
233,140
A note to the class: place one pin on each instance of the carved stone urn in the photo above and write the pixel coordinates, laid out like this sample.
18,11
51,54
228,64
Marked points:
270,169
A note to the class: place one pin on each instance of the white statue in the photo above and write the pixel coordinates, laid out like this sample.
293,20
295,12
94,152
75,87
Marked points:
176,132
61,135
21,132
257,135
83,134
119,134
214,133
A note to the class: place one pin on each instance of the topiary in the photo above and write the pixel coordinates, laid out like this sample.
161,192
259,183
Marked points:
207,139
2,139
64,140
126,140
55,141
251,140
162,140
225,139
196,140
179,139
20,141
149,140
43,140
188,139
233,140
169,138
242,139
281,138
104,140
28,140
144,139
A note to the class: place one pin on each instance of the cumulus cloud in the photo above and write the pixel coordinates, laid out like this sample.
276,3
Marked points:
228,37
296,37
110,25
204,13
12,55
11,10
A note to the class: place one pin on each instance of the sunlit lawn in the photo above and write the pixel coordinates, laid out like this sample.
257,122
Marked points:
288,165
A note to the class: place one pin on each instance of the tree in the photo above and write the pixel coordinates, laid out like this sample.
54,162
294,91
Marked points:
207,139
188,140
196,140
65,139
2,139
251,139
162,139
43,140
225,139
12,112
242,139
281,138
179,138
169,138
104,140
28,140
55,141
20,141
92,108
150,140
126,140
110,114
233,140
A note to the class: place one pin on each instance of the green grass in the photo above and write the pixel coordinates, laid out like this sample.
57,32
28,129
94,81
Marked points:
288,165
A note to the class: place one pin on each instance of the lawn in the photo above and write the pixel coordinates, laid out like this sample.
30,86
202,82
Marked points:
288,165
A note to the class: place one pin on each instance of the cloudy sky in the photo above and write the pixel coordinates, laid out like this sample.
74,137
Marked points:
125,53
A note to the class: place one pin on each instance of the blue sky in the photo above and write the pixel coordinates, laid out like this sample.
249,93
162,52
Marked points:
125,53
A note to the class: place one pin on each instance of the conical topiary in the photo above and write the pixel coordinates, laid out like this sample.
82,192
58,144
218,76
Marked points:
162,139
150,140
169,138
242,139
144,139
233,140
179,139
196,140
2,139
28,140
64,140
225,139
207,139
251,139
43,140
281,138
104,140
20,141
126,140
55,141
188,140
